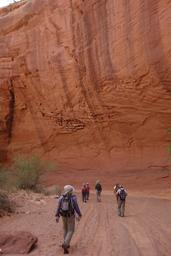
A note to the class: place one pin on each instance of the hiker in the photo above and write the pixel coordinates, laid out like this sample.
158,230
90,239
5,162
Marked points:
69,210
87,191
98,189
115,189
121,195
84,193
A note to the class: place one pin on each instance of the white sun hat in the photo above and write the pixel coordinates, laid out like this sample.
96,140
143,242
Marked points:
68,189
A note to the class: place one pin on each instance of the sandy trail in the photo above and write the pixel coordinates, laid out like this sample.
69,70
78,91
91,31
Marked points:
145,230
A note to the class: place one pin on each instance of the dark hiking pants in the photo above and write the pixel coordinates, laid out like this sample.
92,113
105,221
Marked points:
84,196
87,195
98,195
121,207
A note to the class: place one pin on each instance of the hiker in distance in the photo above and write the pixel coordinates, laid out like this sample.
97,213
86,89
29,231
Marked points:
121,195
84,193
87,191
98,189
115,189
69,210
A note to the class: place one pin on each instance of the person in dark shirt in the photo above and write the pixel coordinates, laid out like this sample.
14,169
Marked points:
98,188
84,193
87,191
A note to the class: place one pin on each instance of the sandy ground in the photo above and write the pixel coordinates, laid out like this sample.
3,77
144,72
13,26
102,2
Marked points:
145,230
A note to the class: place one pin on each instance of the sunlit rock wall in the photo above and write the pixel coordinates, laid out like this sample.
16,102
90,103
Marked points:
87,83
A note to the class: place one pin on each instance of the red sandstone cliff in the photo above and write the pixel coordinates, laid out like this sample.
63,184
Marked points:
87,83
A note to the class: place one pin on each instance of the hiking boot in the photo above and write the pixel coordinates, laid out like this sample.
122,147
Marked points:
66,251
65,247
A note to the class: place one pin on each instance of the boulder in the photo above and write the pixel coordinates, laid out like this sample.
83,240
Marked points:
18,243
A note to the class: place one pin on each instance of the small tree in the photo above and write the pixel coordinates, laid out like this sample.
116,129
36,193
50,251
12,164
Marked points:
3,176
28,172
6,179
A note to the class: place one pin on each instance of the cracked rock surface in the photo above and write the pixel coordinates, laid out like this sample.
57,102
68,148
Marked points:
87,83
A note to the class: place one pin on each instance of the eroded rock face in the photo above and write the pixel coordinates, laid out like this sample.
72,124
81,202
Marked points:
87,83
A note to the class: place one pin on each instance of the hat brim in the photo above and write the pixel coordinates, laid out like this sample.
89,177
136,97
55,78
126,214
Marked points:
69,191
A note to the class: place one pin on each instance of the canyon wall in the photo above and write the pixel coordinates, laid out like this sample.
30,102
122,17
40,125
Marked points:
87,83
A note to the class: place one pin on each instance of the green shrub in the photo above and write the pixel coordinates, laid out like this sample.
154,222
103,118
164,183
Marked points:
3,177
6,179
28,171
169,149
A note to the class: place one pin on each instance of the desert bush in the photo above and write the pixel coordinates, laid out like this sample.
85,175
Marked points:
3,177
6,179
28,171
169,149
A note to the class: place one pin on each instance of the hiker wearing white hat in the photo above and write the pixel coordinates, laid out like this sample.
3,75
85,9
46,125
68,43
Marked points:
69,210
68,189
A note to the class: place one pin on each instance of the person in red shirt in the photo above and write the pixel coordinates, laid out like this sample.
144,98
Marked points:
84,191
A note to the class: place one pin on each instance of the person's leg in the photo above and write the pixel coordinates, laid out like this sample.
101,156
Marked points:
99,196
85,197
65,226
88,193
119,207
123,208
70,231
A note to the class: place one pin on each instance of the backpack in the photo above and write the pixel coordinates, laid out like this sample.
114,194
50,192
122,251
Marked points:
66,209
98,187
122,194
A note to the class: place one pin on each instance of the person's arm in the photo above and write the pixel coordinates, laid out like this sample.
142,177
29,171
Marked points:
57,215
76,207
117,192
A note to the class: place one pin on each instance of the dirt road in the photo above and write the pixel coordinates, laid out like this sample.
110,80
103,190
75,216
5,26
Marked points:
145,230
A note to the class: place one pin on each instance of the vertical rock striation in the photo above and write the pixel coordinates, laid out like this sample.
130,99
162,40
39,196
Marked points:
90,81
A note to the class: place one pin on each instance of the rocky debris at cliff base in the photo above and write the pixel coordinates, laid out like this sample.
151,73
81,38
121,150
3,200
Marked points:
7,206
18,243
